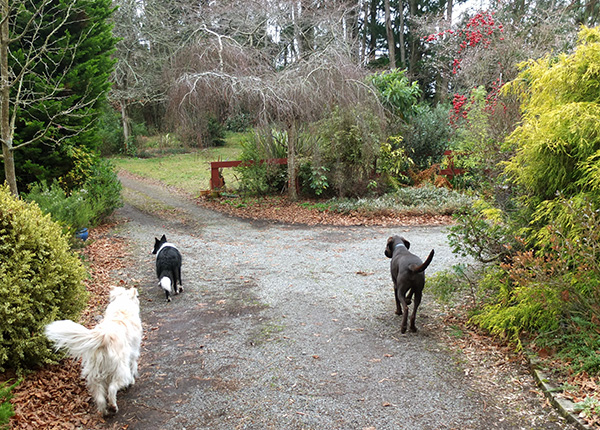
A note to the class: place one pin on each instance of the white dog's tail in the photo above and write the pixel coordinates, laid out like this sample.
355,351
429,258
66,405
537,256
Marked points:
78,340
165,284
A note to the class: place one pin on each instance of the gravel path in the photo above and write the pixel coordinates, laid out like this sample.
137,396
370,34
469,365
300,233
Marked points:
288,327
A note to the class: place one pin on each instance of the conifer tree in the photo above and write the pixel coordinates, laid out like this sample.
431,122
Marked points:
52,81
558,142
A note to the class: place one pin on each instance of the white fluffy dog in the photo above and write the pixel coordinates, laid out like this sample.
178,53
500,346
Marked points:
109,352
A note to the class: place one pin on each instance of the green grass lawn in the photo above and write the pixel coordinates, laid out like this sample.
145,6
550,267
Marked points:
190,171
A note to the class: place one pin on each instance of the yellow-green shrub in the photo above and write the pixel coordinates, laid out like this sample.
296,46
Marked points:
40,281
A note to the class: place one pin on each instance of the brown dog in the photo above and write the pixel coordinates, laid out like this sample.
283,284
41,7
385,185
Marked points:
409,279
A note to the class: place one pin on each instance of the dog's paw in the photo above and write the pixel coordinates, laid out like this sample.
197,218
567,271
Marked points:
110,411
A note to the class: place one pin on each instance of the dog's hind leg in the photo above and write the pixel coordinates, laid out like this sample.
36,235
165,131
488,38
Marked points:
408,296
413,316
112,398
404,313
133,367
178,279
98,392
398,306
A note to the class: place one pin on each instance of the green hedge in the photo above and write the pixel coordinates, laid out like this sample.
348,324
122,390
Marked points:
40,281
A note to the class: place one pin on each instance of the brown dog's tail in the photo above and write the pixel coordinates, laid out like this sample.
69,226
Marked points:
423,266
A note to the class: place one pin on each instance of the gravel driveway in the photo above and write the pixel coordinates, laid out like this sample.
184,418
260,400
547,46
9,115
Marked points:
293,327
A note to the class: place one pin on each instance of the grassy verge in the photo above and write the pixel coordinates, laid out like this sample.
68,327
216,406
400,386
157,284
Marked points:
189,171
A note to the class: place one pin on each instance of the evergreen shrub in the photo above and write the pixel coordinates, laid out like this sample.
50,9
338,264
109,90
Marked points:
6,407
98,197
40,281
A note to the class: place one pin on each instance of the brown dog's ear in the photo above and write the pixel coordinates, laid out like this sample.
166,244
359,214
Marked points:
389,251
406,243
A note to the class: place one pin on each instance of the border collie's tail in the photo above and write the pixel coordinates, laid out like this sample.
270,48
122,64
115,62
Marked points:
165,284
78,340
423,266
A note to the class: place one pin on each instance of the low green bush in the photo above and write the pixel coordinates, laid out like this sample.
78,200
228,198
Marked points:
427,200
40,281
484,233
6,407
551,297
72,212
103,189
98,197
427,135
350,146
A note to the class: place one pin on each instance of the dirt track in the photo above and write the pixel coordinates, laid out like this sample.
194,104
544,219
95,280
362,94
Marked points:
291,327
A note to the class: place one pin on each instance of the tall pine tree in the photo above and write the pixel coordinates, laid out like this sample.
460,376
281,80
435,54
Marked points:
59,64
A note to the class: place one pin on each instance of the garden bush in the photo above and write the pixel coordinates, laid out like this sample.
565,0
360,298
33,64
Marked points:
552,294
484,232
73,212
103,190
98,197
263,178
427,200
350,140
427,135
557,144
40,281
6,407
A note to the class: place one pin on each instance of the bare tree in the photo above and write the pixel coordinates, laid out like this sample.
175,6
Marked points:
300,93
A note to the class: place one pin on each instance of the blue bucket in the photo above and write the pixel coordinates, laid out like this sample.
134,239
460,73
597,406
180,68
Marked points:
82,234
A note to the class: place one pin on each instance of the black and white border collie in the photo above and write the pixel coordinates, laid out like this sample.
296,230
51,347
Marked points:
168,266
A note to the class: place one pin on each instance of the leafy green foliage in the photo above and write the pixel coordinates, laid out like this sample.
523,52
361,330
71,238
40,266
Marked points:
554,293
483,233
40,281
394,163
103,190
6,407
396,92
98,196
72,211
476,148
350,144
447,285
558,143
263,178
427,135
315,177
110,131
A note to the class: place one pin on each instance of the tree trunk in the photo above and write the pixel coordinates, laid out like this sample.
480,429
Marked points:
291,161
442,80
389,30
125,122
372,26
401,34
415,53
6,132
